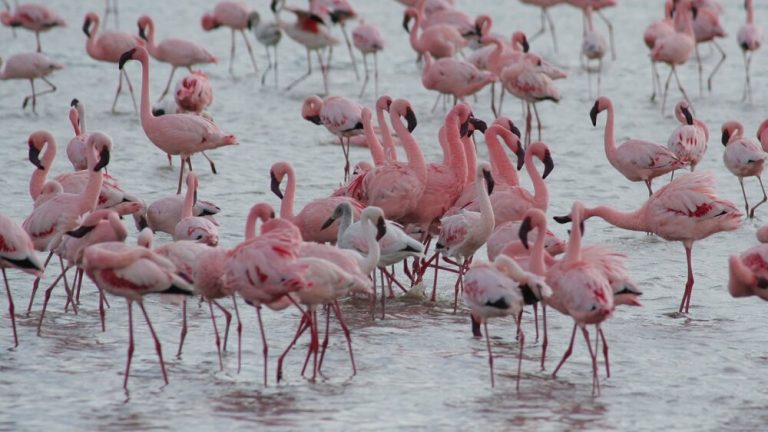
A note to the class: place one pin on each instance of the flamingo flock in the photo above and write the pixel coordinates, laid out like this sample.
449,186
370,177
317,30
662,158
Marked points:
409,209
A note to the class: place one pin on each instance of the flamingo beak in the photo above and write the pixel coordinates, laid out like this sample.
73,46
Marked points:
488,181
327,223
87,27
74,102
525,228
514,129
103,159
410,117
593,113
464,129
549,164
317,19
726,137
314,119
81,231
275,185
273,6
562,219
478,124
526,46
520,152
34,156
128,55
688,115
406,22
381,228
141,33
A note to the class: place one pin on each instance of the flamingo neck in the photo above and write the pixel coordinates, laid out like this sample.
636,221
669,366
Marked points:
633,221
81,119
368,264
89,197
90,44
377,152
470,155
609,138
703,126
573,250
443,140
189,200
151,45
286,205
495,58
390,152
537,264
413,37
540,191
412,151
487,220
456,159
250,224
501,166
147,118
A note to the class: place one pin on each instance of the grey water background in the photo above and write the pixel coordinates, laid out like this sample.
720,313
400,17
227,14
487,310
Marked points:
418,369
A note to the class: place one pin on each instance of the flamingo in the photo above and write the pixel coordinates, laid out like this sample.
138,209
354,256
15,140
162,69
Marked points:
175,134
689,140
750,38
493,290
496,56
504,236
30,66
76,149
311,218
747,274
440,40
367,38
268,34
176,52
194,93
658,30
17,252
339,12
108,46
707,28
449,16
308,30
165,213
33,17
598,6
545,5
580,290
687,209
340,115
199,229
462,234
132,272
676,48
238,16
635,159
744,158
450,76
111,9
593,47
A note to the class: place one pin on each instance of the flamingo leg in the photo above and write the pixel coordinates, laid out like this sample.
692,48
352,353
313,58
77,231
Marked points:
232,53
689,283
102,314
181,174
666,90
536,319
376,74
183,334
568,352
538,122
345,151
326,338
765,198
605,351
250,52
130,345
130,90
700,69
227,318
655,81
305,76
748,84
158,347
717,67
520,357
216,333
367,74
303,325
47,298
324,66
168,84
239,334
347,334
490,353
275,71
11,309
269,65
118,91
265,347
543,27
680,86
545,342
36,283
593,356
744,194
37,38
349,48
610,34
210,162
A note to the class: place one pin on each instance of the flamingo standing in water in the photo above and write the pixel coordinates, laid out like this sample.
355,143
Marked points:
311,218
440,40
17,252
33,17
635,159
132,272
743,158
707,28
340,115
676,48
450,76
367,38
687,209
76,148
598,6
196,228
30,66
689,140
593,47
194,93
108,46
268,34
176,52
750,38
175,134
658,30
238,16
163,214
545,5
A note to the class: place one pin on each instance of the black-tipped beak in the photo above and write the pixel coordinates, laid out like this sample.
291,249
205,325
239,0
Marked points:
314,119
74,102
141,33
593,114
103,159
688,115
520,153
464,129
406,21
80,232
514,129
128,55
275,185
87,27
549,164
489,183
525,228
694,11
526,46
478,124
726,137
273,6
327,223
317,19
142,223
562,219
410,117
478,31
381,228
581,228
34,157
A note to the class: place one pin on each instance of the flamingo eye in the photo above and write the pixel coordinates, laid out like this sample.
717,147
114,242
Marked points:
594,308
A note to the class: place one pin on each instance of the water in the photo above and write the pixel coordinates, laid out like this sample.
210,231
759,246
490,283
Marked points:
419,368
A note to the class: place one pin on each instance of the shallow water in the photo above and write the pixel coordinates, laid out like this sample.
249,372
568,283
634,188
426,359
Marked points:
419,368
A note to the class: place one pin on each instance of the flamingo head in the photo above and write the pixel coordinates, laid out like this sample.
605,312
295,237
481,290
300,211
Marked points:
519,38
484,170
90,18
209,22
732,130
276,174
143,22
601,104
384,103
128,55
409,14
311,108
253,20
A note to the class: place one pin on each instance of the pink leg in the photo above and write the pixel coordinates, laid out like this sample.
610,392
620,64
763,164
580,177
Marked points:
79,280
347,334
546,340
11,310
130,344
605,352
45,302
102,314
568,352
303,325
70,293
309,351
595,378
36,284
520,358
536,319
314,344
227,318
239,333
689,283
158,348
216,333
265,347
181,175
490,353
391,278
327,309
183,327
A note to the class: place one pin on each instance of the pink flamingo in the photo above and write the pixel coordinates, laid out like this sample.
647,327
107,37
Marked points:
383,104
440,40
367,38
339,12
340,115
750,37
397,187
497,55
450,76
687,209
461,235
269,34
165,213
377,151
17,253
308,30
176,52
30,66
748,273
311,218
658,30
707,28
108,46
196,228
635,159
598,6
581,291
194,93
676,48
545,5
506,234
238,16
132,272
76,148
743,158
33,17
175,134
448,15
493,290
689,140
593,47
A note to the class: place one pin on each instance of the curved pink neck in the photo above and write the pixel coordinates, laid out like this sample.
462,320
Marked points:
250,223
39,176
609,139
377,152
90,44
495,57
573,250
633,221
412,151
390,152
443,140
89,197
457,161
151,45
537,264
470,156
703,126
540,191
147,118
189,199
286,204
74,119
414,39
500,164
